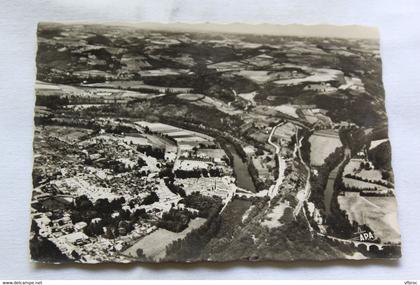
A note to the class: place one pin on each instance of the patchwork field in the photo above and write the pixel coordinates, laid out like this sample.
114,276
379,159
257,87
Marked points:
176,133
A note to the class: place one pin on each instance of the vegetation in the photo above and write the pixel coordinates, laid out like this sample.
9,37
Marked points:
319,181
176,189
190,247
148,150
175,220
338,222
150,199
381,156
52,101
353,138
207,206
44,250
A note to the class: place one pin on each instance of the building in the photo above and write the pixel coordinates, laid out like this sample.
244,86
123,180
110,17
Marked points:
217,155
171,153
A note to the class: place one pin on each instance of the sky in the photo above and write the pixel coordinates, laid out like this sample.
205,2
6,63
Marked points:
349,31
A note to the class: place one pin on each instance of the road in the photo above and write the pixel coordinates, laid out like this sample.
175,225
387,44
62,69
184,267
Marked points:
277,147
302,196
273,191
229,198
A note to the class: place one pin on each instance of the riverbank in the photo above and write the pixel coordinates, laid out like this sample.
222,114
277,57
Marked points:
329,188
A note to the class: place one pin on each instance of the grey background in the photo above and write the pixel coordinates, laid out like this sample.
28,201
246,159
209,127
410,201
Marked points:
399,23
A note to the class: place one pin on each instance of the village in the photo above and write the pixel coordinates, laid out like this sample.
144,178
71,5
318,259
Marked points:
132,169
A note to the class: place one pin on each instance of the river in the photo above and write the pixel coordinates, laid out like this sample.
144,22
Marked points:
329,189
243,177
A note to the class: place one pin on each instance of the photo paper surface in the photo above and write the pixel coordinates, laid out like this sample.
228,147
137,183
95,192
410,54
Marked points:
205,142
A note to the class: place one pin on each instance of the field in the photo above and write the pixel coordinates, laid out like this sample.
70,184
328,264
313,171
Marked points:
379,213
363,185
273,218
137,140
285,132
205,101
133,85
318,75
323,143
288,110
190,97
376,143
157,250
248,96
258,76
176,133
118,90
353,167
66,134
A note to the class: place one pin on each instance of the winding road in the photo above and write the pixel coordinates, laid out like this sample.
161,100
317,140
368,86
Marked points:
302,196
273,191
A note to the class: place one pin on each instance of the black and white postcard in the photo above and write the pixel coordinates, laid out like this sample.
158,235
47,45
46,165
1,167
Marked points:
205,142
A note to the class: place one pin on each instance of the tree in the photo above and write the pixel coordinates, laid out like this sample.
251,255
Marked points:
141,162
140,254
381,156
102,206
175,220
37,177
44,250
150,199
83,203
94,229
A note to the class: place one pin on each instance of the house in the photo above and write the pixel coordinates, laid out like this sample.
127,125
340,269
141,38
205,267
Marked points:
217,155
74,238
322,87
79,226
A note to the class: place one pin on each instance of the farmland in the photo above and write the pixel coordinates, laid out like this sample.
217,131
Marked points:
156,251
323,143
379,213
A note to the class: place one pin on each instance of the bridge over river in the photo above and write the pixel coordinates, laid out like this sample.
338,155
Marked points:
362,245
